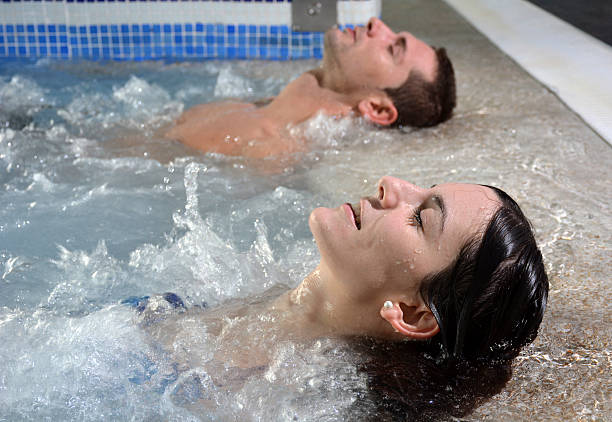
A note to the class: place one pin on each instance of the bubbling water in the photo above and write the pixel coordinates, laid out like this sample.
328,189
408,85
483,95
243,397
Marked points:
84,226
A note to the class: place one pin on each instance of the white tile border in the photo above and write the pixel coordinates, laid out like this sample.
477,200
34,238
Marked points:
574,65
146,12
358,11
227,13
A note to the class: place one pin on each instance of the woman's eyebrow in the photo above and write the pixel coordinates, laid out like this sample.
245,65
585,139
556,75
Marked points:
439,201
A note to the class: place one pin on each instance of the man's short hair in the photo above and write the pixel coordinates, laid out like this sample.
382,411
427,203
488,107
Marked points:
422,103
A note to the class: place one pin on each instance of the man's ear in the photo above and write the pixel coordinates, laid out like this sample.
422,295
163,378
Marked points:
378,109
416,322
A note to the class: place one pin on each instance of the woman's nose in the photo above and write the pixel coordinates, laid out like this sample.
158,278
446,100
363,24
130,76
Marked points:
392,191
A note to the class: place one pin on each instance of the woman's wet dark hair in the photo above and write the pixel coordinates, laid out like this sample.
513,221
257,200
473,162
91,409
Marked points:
406,383
490,302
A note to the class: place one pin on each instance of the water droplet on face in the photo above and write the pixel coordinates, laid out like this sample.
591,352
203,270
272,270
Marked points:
418,251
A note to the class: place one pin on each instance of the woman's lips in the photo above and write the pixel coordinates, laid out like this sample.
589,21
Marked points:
357,214
353,213
349,213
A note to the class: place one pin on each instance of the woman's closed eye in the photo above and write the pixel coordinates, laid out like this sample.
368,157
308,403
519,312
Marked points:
414,219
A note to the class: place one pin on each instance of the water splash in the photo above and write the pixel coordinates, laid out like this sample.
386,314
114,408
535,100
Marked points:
232,85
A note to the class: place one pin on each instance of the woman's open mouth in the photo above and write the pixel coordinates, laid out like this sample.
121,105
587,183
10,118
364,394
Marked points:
356,208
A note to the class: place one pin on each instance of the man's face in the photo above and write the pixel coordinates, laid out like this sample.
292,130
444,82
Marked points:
375,57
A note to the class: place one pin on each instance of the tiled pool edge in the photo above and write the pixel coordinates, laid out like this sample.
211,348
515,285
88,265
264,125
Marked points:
145,30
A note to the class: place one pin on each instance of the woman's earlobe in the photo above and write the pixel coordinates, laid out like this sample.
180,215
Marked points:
417,322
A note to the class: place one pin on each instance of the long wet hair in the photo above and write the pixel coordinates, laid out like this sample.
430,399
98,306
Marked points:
407,383
488,304
421,103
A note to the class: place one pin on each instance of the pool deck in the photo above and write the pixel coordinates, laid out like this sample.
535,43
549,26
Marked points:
534,117
574,65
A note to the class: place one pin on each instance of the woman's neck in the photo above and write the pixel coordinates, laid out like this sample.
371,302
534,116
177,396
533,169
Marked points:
315,309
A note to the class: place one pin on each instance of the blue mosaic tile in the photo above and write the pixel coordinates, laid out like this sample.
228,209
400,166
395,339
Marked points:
158,40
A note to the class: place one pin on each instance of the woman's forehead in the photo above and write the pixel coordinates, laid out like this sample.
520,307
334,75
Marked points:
466,190
469,207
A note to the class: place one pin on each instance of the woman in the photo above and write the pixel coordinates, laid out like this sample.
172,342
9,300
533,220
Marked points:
455,267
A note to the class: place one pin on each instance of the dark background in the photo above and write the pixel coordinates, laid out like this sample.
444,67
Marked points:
592,16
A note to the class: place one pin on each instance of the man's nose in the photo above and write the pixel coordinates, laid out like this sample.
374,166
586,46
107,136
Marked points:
392,191
377,28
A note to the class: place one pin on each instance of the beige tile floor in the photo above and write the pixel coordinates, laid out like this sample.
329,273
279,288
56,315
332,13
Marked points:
529,138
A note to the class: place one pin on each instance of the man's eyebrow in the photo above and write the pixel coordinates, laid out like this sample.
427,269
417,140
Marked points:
402,41
402,44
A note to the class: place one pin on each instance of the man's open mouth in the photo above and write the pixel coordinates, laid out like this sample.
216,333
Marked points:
356,208
351,32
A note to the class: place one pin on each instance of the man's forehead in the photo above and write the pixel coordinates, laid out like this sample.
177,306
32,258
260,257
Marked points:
421,57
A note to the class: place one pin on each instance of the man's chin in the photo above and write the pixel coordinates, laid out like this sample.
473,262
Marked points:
328,41
332,39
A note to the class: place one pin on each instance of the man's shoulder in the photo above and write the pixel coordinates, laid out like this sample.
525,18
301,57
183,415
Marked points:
306,81
213,109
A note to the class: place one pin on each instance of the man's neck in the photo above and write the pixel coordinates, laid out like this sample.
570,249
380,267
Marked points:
304,97
332,81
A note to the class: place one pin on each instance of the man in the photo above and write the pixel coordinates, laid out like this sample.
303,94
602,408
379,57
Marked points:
391,79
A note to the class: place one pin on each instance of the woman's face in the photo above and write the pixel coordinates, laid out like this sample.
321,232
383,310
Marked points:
382,247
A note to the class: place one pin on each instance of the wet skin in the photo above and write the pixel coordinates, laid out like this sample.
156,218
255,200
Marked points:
403,234
375,57
356,66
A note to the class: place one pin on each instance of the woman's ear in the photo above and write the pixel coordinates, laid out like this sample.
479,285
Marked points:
378,108
416,322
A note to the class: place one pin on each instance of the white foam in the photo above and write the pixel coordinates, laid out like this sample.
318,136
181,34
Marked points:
21,92
232,85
